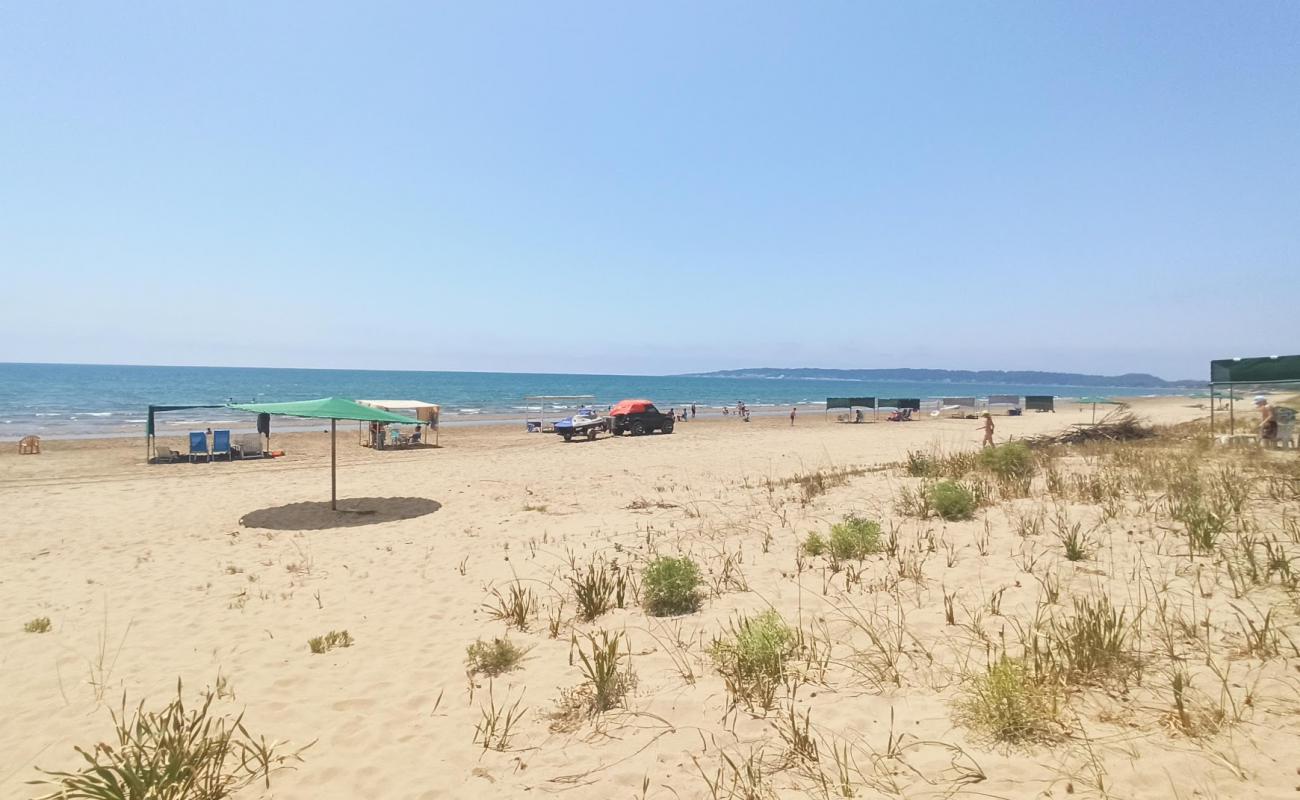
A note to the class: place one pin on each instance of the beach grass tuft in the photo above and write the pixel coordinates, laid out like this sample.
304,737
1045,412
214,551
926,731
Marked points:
38,625
329,641
1010,705
516,607
172,753
597,589
495,657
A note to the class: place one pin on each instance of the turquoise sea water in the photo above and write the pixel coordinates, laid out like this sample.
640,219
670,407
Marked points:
95,400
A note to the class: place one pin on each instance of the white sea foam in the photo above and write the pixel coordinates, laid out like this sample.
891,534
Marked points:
99,413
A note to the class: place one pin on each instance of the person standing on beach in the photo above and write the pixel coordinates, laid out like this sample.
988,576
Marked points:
793,409
988,429
1267,422
692,411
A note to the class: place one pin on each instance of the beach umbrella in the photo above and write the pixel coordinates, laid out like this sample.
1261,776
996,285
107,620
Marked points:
332,409
1095,401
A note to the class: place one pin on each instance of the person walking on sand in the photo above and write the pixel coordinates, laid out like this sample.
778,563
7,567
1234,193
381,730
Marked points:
1267,422
988,429
692,411
792,410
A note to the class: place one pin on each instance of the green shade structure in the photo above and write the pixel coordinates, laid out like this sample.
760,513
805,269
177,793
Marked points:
332,409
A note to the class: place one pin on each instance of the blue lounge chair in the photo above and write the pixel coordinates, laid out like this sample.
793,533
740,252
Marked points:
221,444
199,446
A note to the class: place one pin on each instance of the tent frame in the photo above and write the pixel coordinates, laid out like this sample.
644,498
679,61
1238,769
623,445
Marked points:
1232,399
150,435
542,399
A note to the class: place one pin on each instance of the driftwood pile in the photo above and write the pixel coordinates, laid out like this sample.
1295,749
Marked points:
1118,426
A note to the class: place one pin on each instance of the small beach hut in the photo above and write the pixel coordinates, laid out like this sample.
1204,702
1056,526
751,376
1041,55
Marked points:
332,409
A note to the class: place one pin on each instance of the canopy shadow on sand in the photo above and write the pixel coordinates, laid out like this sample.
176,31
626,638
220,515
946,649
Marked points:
353,512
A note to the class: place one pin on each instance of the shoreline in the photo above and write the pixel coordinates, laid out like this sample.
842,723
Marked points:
450,419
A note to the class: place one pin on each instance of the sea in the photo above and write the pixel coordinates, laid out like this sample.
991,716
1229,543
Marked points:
91,401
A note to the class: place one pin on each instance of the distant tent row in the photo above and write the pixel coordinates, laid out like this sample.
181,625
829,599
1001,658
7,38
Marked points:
1045,402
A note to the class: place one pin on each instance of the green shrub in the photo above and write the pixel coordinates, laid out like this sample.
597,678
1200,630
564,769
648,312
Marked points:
38,625
493,658
1012,461
1007,703
671,586
814,545
752,658
951,500
854,538
172,753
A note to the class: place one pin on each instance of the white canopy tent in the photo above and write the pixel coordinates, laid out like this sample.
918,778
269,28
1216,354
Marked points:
424,412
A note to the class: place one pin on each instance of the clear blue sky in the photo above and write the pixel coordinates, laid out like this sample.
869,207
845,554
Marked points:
650,187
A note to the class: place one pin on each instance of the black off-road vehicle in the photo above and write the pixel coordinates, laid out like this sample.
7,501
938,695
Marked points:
638,417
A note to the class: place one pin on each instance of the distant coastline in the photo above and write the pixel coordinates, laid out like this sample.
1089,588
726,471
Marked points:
1134,380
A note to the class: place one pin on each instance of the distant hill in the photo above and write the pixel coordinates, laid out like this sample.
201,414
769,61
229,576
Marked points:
1134,380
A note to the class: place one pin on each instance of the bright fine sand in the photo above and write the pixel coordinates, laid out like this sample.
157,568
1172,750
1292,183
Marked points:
150,574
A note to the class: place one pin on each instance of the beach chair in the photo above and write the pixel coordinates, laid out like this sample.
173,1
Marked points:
220,444
248,446
163,454
199,447
29,446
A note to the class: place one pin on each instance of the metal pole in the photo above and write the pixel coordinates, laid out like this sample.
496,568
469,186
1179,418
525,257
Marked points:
1211,412
334,494
1232,411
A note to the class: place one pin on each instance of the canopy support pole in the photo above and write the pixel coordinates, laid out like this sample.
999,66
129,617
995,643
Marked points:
334,494
1232,409
1211,412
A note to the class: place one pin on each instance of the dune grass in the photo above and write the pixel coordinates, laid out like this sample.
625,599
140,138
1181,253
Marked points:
494,658
172,754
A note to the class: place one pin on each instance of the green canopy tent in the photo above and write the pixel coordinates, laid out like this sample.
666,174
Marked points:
332,409
1095,401
1255,372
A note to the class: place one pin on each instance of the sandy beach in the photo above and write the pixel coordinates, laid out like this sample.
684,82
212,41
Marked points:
219,574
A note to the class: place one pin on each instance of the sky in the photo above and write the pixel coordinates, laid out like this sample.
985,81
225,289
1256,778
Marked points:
650,188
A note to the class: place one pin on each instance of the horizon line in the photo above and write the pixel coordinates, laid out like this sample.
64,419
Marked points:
705,373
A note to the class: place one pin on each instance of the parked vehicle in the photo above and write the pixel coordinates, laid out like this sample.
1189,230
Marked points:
638,417
584,423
